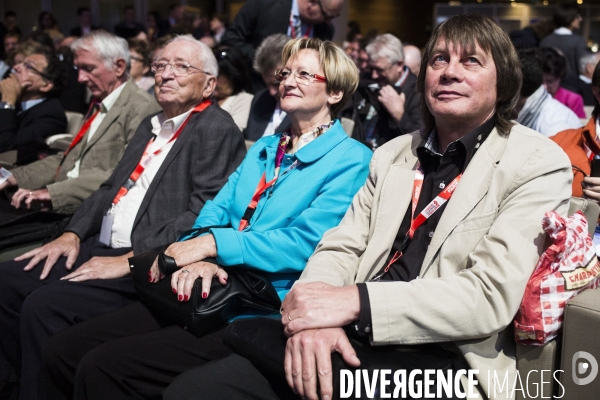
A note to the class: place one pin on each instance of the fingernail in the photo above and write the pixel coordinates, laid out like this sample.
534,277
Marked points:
149,273
180,297
186,297
174,290
326,397
150,279
204,295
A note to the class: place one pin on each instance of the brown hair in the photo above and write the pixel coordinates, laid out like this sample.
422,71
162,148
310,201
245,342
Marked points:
340,70
465,32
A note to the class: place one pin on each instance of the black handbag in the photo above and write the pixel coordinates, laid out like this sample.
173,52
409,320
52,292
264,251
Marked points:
245,290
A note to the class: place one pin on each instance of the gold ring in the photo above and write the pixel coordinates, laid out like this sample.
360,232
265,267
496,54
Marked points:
185,270
31,193
289,318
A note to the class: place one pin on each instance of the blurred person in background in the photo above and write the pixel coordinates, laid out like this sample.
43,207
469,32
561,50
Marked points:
233,85
536,108
555,71
567,19
218,25
386,104
46,21
156,26
266,116
10,22
128,27
587,65
175,14
139,53
412,58
11,42
84,15
30,110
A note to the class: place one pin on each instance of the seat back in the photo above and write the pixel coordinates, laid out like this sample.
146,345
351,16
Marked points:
74,122
547,357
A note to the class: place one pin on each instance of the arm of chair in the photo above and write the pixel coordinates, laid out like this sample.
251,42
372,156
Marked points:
580,327
60,142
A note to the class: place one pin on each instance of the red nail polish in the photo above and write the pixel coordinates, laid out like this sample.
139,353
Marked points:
174,291
186,297
204,295
180,297
149,273
150,279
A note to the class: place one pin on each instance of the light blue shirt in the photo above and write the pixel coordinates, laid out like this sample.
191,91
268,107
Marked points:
26,105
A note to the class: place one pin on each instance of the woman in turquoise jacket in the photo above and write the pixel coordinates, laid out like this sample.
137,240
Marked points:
289,190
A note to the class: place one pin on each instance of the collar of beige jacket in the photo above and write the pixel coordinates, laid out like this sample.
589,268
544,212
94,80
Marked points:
112,114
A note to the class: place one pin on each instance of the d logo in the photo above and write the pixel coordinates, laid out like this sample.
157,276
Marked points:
581,367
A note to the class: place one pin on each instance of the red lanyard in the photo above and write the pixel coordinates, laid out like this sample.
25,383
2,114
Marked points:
427,212
263,185
81,132
146,158
589,153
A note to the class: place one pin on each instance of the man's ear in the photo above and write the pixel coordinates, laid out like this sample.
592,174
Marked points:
47,87
209,87
120,67
335,97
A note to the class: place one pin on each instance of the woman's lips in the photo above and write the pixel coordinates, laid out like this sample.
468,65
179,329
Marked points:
447,95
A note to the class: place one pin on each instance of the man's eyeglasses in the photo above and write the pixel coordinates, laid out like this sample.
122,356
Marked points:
138,59
301,76
179,68
33,69
326,16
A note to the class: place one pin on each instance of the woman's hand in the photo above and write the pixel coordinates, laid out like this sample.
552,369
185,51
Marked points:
193,250
183,280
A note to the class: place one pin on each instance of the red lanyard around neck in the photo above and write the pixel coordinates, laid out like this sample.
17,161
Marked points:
146,158
427,212
263,185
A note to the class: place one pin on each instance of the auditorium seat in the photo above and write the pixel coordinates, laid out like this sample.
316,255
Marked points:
62,140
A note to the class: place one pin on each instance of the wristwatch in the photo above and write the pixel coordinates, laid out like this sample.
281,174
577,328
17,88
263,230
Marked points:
6,106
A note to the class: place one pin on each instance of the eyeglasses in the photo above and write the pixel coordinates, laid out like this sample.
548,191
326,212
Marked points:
328,17
301,76
33,69
178,68
380,71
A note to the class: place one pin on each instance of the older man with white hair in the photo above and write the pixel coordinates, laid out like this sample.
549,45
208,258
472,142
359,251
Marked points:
386,106
66,179
587,64
177,161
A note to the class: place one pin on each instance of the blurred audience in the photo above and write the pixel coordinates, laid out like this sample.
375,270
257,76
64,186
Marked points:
567,20
129,27
84,15
139,54
233,85
583,148
175,14
412,58
536,107
266,116
29,108
555,70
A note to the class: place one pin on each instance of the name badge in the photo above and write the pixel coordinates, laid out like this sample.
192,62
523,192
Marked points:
4,175
106,230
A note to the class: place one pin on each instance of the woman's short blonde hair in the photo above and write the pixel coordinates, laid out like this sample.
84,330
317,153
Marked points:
340,70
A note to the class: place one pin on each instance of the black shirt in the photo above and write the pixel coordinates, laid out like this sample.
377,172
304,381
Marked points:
439,170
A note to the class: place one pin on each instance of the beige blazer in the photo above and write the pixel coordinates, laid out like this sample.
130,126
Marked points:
481,255
98,157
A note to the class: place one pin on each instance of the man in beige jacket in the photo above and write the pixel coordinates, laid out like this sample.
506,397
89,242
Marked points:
429,284
66,179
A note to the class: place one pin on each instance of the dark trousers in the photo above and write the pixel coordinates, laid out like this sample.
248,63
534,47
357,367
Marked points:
31,310
125,354
236,377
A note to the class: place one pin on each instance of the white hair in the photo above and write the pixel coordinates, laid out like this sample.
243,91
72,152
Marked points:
587,59
108,47
388,46
206,54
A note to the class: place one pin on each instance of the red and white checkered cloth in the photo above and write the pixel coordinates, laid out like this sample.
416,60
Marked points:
566,268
